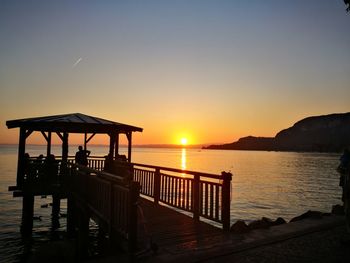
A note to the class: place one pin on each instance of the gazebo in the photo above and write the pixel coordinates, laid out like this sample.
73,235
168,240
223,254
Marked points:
108,189
65,124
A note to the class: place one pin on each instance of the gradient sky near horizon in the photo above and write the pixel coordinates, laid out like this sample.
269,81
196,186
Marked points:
210,71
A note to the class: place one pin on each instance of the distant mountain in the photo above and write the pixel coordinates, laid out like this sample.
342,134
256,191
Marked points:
326,133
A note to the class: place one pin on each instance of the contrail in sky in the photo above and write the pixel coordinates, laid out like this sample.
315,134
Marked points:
76,63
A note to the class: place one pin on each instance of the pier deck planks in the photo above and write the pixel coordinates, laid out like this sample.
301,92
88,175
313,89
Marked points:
168,227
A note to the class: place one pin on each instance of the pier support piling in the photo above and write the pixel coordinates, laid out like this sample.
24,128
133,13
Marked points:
83,234
56,203
71,216
27,214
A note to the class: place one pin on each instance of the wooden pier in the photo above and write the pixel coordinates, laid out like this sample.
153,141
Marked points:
137,207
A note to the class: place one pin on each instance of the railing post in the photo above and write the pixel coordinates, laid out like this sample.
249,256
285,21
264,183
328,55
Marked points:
196,197
156,186
134,195
71,215
226,200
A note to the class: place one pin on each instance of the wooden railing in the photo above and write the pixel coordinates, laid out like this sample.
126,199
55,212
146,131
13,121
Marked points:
204,195
108,197
42,172
97,163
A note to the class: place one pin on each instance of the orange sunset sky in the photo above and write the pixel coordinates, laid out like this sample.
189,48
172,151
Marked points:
208,71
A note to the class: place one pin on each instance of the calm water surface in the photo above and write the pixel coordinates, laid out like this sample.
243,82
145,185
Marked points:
270,184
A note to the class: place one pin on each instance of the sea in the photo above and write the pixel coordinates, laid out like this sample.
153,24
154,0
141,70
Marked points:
264,184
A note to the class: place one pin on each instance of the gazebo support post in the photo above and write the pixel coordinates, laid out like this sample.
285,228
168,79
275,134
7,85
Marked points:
65,147
85,140
112,139
128,135
116,148
21,152
48,150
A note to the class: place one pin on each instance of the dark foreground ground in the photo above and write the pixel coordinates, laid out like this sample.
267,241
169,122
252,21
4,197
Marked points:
321,246
308,240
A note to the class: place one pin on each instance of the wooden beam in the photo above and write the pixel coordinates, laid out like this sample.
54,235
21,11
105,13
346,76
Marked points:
91,136
60,135
48,140
111,144
128,135
65,147
45,136
29,132
48,150
85,136
21,152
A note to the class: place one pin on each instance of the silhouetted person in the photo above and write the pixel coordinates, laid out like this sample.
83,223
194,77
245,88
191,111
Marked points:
121,157
81,157
40,158
344,170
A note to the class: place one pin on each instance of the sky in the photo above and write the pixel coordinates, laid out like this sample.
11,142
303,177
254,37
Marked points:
209,71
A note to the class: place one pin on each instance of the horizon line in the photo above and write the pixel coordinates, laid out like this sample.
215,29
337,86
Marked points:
156,145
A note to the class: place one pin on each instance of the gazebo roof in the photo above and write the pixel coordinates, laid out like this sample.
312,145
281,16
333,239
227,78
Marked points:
72,123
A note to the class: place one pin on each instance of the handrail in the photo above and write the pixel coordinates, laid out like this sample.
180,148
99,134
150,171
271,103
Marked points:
59,157
202,198
176,170
169,169
102,174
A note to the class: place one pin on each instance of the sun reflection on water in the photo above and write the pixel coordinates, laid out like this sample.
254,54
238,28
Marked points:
183,159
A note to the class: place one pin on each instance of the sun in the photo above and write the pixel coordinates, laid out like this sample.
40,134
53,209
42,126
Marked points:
184,141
